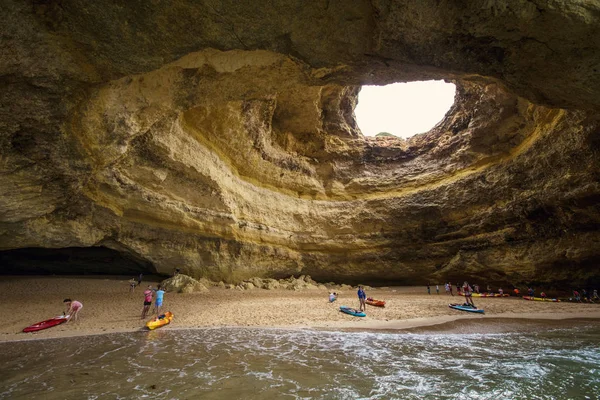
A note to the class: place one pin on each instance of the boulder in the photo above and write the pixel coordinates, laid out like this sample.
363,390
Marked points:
183,284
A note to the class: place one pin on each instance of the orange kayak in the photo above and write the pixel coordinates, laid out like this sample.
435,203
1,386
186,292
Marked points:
377,303
159,321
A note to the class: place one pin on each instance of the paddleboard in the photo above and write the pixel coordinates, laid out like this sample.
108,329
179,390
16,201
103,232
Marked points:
159,321
49,323
352,311
469,308
539,299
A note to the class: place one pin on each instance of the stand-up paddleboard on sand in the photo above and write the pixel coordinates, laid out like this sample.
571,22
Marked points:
540,299
352,311
49,323
469,308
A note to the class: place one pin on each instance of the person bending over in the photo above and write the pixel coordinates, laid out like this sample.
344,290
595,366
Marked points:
73,308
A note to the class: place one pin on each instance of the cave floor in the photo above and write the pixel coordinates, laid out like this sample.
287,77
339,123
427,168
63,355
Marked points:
109,307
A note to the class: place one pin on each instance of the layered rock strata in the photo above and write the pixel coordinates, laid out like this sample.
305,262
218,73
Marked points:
221,140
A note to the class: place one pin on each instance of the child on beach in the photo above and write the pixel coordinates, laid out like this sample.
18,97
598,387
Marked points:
332,297
362,296
73,308
131,285
158,302
147,301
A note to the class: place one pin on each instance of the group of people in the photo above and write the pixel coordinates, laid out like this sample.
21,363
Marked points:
585,295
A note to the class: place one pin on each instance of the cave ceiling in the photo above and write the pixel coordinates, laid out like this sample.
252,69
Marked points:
219,137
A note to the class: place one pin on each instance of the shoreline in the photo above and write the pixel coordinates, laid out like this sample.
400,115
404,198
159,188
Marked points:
110,308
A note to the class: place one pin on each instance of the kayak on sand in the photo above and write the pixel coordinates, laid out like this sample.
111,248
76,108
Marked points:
373,302
352,311
539,299
486,294
159,321
49,323
466,307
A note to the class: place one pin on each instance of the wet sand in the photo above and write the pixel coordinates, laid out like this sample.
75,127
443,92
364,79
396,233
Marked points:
109,307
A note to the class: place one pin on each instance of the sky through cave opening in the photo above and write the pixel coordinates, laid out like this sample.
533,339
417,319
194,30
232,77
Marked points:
403,109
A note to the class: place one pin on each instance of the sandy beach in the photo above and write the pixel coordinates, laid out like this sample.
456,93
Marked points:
109,307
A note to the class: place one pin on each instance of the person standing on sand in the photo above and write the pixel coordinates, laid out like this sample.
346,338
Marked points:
147,301
158,302
447,288
140,279
516,291
437,289
450,286
362,296
428,289
501,292
468,294
73,308
131,285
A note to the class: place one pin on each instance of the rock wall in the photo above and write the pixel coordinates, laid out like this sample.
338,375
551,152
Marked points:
221,139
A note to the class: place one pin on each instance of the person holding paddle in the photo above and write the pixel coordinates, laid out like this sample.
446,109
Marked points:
467,291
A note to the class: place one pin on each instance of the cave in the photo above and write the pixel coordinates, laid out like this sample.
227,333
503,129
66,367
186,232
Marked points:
72,261
205,139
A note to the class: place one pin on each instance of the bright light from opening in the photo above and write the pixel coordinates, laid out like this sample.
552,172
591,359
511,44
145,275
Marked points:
403,109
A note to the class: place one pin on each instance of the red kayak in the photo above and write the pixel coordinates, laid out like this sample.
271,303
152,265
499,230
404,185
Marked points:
49,323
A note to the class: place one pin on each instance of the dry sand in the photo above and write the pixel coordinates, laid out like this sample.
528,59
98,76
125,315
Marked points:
109,307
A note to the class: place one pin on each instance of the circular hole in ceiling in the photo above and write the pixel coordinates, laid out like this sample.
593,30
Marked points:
403,109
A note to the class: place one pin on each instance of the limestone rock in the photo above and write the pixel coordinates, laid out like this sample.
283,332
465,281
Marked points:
229,147
183,284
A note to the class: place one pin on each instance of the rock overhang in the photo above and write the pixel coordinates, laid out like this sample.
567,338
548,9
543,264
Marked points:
247,160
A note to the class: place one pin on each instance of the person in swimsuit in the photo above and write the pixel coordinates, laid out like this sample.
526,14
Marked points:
73,308
147,301
362,297
468,294
158,302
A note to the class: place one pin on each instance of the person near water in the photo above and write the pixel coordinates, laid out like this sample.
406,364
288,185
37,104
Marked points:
516,291
450,286
362,296
148,293
73,309
500,291
332,297
543,295
158,301
468,292
476,288
530,292
446,286
595,295
140,279
437,289
428,289
576,296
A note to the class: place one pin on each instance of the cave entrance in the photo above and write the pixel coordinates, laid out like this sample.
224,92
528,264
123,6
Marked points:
403,109
72,261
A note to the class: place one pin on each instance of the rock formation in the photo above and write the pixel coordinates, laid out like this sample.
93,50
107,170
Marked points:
219,138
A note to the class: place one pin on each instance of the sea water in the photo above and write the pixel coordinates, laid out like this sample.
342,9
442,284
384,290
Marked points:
240,363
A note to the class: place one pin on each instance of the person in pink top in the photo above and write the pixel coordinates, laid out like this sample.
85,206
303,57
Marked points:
147,301
74,307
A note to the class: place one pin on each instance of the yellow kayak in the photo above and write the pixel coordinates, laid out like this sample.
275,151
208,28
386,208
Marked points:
159,321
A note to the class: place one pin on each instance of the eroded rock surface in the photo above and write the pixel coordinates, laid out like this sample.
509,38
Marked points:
221,139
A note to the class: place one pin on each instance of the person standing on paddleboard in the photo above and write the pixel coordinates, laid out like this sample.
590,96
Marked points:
468,292
362,297
73,309
148,293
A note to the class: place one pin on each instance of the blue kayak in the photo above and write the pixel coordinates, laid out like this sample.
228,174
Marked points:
468,308
352,311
